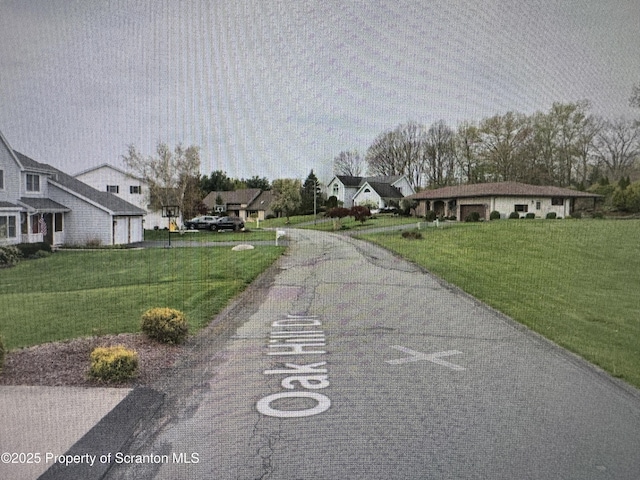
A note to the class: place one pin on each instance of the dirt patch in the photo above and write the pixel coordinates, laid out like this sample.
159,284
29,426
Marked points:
67,363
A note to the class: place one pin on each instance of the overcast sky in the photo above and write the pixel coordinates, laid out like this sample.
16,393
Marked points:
276,88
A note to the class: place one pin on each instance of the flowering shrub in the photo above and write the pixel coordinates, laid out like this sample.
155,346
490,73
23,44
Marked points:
165,325
113,364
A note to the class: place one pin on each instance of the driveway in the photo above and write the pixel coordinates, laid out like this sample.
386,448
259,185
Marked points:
345,362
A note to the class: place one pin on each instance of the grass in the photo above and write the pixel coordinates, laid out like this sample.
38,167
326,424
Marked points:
209,236
75,294
577,282
282,221
348,223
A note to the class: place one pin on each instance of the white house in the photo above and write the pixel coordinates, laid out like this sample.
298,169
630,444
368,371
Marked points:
504,197
39,203
107,178
379,190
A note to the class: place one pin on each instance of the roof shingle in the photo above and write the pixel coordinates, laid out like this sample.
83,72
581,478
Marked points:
500,189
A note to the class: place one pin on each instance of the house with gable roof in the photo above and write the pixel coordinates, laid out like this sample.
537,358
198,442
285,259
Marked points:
504,197
39,203
244,203
132,189
382,191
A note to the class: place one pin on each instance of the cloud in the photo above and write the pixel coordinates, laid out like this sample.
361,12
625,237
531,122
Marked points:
276,88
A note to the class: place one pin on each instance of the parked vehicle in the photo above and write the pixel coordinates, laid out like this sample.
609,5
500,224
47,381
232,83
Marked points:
199,223
228,223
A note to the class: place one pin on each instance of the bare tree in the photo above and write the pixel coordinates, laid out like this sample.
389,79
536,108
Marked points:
504,145
634,100
467,148
585,150
170,175
618,146
439,155
348,163
399,152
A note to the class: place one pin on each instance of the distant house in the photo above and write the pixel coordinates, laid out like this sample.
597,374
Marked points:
504,197
39,203
107,178
245,203
380,190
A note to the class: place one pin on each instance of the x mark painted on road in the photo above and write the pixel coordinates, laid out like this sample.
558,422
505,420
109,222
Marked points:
430,357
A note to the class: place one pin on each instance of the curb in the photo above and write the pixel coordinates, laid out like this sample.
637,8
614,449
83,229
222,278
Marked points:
108,436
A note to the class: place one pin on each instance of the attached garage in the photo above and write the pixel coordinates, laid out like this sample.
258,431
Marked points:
501,197
466,210
127,230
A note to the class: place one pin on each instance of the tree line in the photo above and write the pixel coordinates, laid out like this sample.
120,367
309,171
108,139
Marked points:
173,178
566,146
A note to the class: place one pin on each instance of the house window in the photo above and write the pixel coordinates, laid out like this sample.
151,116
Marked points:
538,205
367,190
113,189
1,179
557,201
8,227
521,208
33,183
135,189
57,222
336,189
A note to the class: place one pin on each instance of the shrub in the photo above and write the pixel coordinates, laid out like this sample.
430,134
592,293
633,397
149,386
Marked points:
576,215
1,354
165,325
9,256
332,202
338,212
95,242
551,216
407,205
472,217
360,213
430,216
495,215
412,234
113,364
513,215
530,215
29,250
598,215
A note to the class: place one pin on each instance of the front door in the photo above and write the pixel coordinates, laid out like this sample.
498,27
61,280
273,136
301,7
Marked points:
48,233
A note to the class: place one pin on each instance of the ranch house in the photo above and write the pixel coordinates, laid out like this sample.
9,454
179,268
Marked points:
504,197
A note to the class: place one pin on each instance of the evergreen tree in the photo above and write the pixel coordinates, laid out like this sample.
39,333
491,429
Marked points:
307,193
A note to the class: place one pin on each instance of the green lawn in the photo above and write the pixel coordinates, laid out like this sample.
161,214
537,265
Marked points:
282,221
74,294
209,236
576,282
348,223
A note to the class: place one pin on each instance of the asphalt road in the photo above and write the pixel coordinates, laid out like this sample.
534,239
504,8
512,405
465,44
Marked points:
345,362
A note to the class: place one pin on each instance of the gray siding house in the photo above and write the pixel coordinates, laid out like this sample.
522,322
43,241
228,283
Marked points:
39,203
